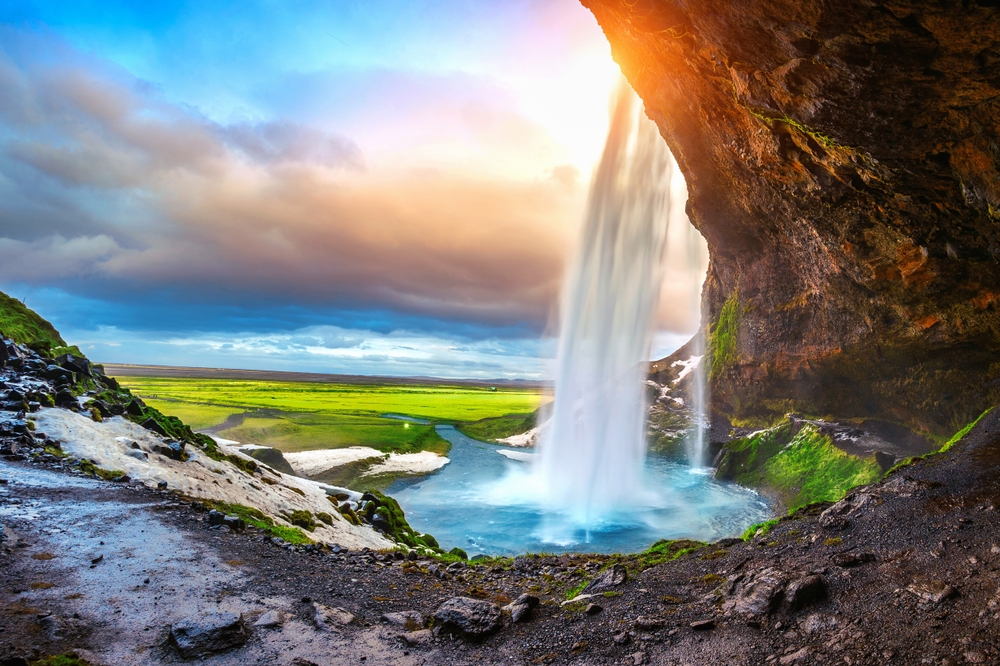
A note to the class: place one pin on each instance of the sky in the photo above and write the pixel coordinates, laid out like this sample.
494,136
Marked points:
382,187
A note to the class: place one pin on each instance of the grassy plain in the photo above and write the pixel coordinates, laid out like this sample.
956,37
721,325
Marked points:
298,416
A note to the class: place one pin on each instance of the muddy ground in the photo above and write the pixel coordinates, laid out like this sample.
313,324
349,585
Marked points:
906,571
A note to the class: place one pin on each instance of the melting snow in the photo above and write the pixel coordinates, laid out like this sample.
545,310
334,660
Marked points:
688,366
522,456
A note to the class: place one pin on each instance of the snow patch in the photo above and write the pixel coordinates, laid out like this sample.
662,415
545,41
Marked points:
423,462
311,463
687,367
109,445
522,456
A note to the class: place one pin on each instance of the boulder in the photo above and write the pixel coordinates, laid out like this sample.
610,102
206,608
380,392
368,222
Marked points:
520,609
421,637
607,580
216,517
471,617
75,364
329,619
804,591
135,408
235,523
206,634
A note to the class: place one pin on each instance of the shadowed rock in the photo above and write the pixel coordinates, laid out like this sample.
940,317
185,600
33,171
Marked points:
206,634
471,617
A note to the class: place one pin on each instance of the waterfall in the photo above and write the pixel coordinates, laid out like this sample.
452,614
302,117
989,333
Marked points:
592,452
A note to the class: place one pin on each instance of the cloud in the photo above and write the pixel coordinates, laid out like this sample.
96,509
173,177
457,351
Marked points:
154,196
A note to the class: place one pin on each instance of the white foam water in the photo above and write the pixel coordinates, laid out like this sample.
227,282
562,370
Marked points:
591,456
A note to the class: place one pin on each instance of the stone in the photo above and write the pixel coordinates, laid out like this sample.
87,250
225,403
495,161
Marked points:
848,560
471,617
607,580
299,661
235,523
409,620
799,656
329,619
804,591
638,658
934,591
216,517
202,635
756,594
593,609
272,618
421,637
169,449
75,364
703,625
818,623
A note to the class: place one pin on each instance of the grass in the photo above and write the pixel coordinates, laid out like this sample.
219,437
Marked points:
305,432
199,417
26,327
296,416
963,432
492,429
260,520
440,403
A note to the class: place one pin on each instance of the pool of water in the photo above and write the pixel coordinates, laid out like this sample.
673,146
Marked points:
484,501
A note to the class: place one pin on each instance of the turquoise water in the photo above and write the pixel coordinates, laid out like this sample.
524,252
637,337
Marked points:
484,502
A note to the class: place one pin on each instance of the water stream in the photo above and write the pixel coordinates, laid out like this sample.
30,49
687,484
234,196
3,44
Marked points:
482,502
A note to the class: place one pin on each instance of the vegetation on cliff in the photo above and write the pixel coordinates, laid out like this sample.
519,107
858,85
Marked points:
797,463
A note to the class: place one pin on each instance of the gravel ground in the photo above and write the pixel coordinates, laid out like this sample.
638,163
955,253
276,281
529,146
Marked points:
905,571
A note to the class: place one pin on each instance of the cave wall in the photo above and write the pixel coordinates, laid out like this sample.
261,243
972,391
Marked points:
843,163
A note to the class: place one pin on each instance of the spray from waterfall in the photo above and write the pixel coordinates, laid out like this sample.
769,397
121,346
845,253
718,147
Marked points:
592,452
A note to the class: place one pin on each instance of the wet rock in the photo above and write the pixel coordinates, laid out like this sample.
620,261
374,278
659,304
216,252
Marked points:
65,398
329,619
169,449
216,517
471,617
272,618
135,408
75,364
607,580
162,485
934,591
421,637
409,620
209,633
235,523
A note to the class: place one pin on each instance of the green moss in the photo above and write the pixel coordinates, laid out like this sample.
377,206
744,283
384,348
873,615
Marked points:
325,517
260,520
759,528
303,519
26,327
68,659
836,541
722,337
963,432
801,466
459,553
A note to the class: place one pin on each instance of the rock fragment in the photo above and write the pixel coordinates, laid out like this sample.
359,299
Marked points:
934,591
471,617
206,634
272,618
409,620
607,580
421,637
329,619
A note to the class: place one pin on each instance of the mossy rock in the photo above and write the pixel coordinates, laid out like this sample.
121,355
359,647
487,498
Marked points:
303,519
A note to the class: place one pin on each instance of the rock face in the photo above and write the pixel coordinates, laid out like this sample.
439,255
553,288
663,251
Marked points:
843,163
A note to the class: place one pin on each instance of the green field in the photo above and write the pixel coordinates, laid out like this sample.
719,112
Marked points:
299,416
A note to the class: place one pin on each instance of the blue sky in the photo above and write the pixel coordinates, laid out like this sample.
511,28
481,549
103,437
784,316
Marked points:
375,188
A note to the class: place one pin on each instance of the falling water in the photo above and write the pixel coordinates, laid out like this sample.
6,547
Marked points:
592,453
